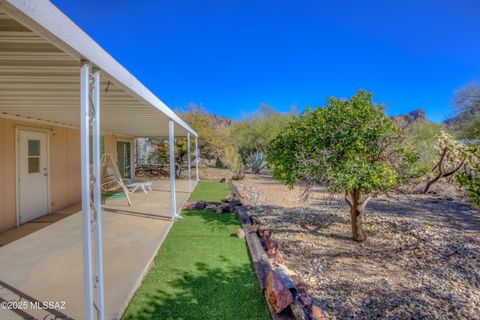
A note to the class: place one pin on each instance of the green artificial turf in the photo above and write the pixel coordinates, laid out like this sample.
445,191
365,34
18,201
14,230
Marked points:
202,271
210,191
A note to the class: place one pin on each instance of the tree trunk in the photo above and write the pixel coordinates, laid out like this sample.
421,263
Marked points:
357,206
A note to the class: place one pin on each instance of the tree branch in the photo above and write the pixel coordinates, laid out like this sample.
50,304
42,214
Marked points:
348,200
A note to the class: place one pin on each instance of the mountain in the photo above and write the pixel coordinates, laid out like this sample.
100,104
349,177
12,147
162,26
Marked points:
411,117
221,121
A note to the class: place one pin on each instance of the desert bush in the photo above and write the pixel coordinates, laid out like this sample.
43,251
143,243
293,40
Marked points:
254,133
423,136
469,178
234,162
453,157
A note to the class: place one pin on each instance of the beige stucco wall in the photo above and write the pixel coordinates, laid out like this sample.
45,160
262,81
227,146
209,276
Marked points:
65,188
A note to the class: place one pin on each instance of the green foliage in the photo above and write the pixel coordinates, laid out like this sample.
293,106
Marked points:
234,162
471,183
219,164
422,136
212,139
346,146
256,161
255,133
454,157
469,178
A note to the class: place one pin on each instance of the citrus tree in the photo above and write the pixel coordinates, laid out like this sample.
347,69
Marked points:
348,146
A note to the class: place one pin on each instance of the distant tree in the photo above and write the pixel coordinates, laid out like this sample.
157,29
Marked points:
348,146
422,136
234,162
467,103
161,153
212,139
254,133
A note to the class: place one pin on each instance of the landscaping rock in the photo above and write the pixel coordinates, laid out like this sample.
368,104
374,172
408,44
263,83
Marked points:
241,233
302,290
224,208
211,207
317,313
277,294
421,257
255,221
271,248
189,205
201,205
220,208
265,233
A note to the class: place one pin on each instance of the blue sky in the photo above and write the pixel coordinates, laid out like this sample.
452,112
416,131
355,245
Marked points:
230,56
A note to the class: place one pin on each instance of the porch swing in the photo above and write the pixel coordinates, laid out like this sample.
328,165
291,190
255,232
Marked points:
112,184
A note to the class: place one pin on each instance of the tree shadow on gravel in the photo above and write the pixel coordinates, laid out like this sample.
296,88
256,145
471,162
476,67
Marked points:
460,216
362,300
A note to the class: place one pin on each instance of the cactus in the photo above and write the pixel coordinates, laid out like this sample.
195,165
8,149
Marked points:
256,161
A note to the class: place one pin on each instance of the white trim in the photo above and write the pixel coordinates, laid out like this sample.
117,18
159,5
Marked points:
17,172
37,121
45,19
45,123
189,164
173,193
85,189
97,196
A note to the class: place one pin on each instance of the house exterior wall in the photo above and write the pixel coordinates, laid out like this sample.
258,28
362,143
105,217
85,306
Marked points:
64,160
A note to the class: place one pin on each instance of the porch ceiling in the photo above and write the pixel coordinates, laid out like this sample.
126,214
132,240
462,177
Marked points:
39,80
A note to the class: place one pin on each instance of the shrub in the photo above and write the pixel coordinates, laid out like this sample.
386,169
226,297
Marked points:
234,162
256,161
348,146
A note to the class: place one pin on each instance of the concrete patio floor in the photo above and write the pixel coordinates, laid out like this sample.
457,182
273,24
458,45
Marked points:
47,264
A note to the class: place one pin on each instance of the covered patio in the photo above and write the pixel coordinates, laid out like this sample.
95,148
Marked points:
47,265
59,84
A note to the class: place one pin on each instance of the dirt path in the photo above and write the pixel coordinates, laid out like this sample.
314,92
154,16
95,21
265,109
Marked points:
421,259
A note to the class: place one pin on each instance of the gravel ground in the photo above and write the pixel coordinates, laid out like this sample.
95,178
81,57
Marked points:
421,259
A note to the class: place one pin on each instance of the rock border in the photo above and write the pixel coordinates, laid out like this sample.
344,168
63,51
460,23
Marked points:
286,293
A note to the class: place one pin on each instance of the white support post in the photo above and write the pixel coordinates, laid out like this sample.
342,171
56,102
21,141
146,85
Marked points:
85,176
189,164
197,156
97,196
173,195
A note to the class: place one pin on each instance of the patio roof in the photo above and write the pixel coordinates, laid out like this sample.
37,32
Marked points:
40,54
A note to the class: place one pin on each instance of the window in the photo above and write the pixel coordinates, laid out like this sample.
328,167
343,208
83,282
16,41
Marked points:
33,156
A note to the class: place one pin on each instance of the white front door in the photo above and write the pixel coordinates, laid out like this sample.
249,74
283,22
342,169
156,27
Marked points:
32,160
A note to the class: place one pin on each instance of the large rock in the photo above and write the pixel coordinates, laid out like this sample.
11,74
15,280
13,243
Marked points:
224,208
211,207
271,248
189,205
200,205
302,290
317,313
265,233
240,233
277,294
